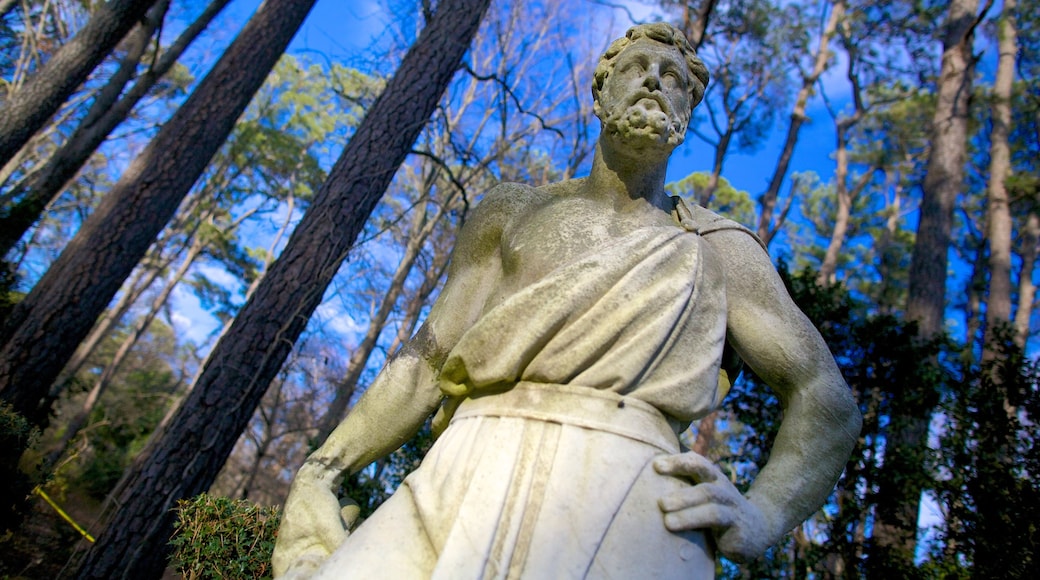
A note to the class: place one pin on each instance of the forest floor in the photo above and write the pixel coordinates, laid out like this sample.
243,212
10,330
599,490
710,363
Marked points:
46,547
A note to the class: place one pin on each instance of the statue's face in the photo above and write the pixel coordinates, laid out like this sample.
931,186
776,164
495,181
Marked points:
644,99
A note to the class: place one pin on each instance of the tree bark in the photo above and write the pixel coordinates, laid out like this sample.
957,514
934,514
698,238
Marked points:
76,423
845,196
769,198
695,28
887,290
420,228
432,277
27,110
6,6
829,266
106,112
976,290
1026,288
184,459
998,210
721,149
902,478
159,257
45,328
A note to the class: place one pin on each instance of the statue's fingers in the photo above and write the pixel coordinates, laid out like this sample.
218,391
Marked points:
699,517
685,497
692,465
702,493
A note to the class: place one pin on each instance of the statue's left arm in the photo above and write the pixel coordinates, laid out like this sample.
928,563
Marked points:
395,405
821,420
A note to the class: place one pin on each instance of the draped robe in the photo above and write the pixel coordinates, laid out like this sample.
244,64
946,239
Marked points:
603,361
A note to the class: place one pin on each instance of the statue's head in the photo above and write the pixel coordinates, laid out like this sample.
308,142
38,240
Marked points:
648,82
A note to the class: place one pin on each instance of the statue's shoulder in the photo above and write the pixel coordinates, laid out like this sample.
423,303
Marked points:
507,200
708,222
496,209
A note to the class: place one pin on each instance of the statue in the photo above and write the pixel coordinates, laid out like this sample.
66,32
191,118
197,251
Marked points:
585,324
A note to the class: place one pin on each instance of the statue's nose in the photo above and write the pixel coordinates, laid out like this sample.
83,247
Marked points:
651,82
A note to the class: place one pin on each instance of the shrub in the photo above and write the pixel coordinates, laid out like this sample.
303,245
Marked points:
16,435
217,537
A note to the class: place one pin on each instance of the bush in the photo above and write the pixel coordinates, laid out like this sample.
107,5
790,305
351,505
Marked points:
217,537
16,435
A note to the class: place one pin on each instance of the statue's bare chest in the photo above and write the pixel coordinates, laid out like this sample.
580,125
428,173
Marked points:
561,230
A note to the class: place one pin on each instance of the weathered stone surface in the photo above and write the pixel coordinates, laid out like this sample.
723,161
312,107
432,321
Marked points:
581,329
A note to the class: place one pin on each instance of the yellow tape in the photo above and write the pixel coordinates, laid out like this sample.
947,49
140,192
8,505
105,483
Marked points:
37,490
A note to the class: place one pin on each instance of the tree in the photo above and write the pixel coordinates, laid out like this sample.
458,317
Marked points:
45,328
26,111
903,477
187,454
747,88
482,134
110,107
989,454
998,210
894,137
767,223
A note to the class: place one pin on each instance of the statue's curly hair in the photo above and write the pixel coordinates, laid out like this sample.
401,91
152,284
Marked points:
665,34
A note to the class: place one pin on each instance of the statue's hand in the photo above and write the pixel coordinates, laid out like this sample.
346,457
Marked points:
740,528
313,523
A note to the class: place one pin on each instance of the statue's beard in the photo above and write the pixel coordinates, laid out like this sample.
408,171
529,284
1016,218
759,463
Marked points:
641,120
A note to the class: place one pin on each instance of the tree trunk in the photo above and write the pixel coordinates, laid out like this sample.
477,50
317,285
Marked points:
887,293
695,28
184,459
27,110
153,264
706,433
976,292
45,328
101,385
1026,288
903,477
716,168
829,266
6,6
421,227
998,210
105,114
432,277
263,441
769,198
845,197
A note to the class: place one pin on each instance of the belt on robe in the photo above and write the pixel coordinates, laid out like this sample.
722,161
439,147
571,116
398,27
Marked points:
584,407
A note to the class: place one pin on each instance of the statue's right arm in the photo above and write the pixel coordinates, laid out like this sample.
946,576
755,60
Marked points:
395,405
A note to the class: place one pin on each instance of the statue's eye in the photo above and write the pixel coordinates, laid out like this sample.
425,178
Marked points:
671,80
631,68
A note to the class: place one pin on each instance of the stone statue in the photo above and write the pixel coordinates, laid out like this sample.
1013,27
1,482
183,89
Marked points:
584,325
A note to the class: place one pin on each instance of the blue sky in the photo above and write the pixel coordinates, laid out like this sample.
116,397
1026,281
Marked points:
348,32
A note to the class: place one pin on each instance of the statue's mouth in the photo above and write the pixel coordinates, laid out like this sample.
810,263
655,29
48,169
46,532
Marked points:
662,105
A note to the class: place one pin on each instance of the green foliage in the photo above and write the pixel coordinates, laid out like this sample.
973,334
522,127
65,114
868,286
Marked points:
124,418
8,296
989,461
16,435
278,151
217,537
732,203
877,355
984,475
